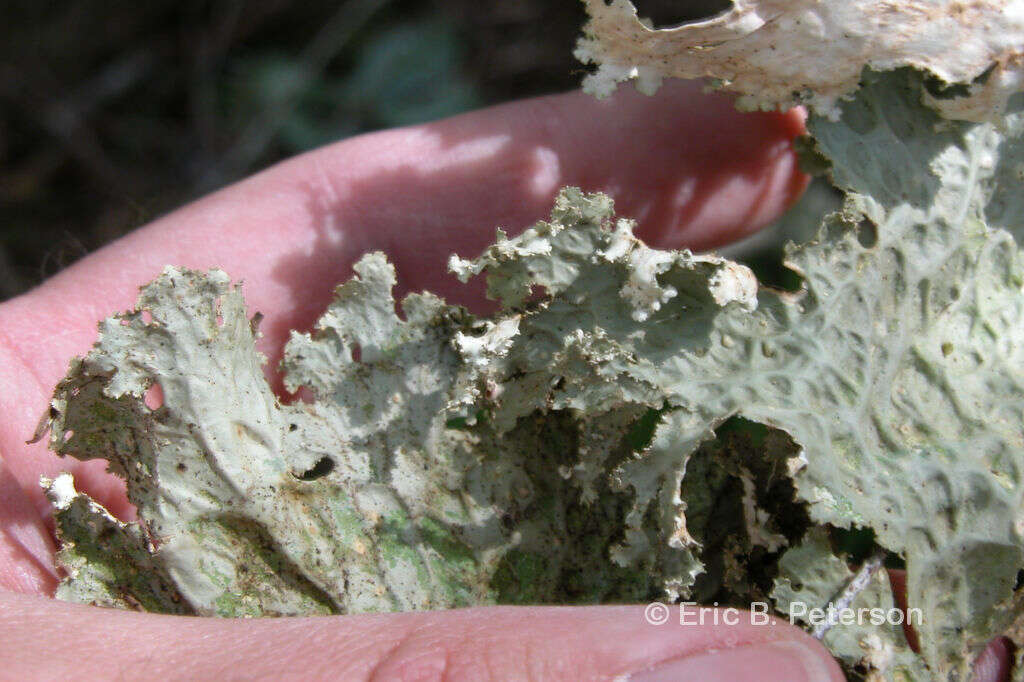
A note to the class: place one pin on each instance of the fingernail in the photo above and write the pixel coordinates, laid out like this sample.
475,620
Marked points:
784,661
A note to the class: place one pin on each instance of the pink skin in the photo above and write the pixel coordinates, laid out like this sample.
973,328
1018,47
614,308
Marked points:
691,169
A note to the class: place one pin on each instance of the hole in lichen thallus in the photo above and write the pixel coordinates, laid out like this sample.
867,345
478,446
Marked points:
642,433
154,397
744,457
323,466
856,543
771,272
867,233
940,89
672,13
219,317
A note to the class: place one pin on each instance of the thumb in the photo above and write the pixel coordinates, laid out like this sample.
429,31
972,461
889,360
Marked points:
499,643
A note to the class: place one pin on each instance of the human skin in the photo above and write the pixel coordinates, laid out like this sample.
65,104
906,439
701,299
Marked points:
691,169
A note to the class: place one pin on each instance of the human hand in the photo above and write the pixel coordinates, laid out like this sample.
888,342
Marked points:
692,170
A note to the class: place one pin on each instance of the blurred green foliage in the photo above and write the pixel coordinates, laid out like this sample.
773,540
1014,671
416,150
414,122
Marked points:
113,113
406,74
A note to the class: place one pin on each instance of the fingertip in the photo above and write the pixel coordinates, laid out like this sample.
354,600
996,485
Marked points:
795,119
782,661
743,176
995,662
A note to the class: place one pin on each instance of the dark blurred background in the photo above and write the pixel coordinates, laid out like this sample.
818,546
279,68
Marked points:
112,113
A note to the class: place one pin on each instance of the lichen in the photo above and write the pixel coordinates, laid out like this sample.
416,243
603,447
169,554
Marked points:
783,52
633,423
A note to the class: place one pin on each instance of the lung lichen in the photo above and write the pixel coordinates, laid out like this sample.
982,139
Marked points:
653,424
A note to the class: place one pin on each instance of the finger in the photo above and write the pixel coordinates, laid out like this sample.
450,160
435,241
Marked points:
691,168
993,665
26,547
501,643
898,581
